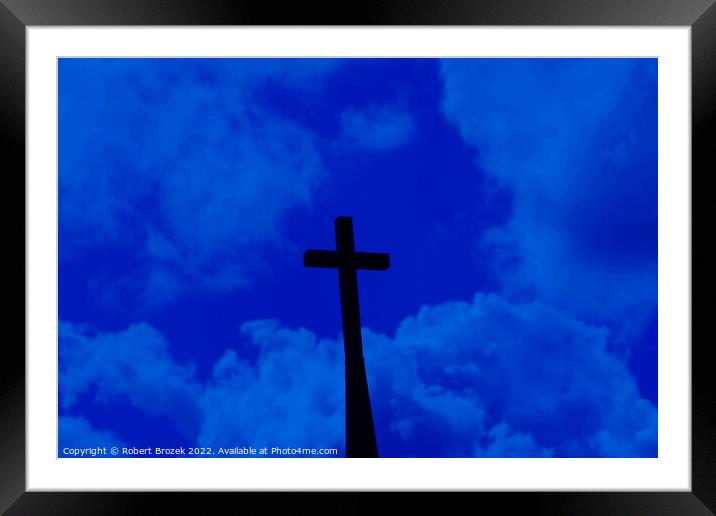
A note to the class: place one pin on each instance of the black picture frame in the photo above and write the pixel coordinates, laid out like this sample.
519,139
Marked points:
16,15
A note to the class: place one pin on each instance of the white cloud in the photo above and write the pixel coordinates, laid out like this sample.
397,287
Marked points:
486,377
376,127
291,395
134,365
574,142
181,167
77,432
546,375
504,443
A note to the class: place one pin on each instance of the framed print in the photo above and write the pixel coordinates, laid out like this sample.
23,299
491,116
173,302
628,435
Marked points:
504,196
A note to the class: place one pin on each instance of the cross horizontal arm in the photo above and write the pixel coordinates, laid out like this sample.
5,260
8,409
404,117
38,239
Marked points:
336,260
372,261
325,259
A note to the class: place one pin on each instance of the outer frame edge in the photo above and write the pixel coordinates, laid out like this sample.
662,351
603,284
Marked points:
12,375
703,121
366,12
13,22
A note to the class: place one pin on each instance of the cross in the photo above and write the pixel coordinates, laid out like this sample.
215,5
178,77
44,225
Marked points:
360,434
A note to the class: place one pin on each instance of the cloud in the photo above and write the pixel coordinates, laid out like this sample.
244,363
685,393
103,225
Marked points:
133,366
487,377
504,443
574,142
77,432
376,127
547,376
177,164
290,395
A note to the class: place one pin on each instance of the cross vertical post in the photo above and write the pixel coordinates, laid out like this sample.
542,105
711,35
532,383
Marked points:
360,432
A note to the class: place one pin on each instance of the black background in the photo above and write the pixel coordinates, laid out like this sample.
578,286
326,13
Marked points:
15,15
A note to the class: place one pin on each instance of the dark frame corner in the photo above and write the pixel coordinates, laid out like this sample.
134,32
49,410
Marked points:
16,15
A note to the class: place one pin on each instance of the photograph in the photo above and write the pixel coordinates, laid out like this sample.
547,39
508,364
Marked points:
266,257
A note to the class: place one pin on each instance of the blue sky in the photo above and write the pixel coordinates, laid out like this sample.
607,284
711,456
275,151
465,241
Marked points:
516,197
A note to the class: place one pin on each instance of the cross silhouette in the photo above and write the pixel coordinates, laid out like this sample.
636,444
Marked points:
360,434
